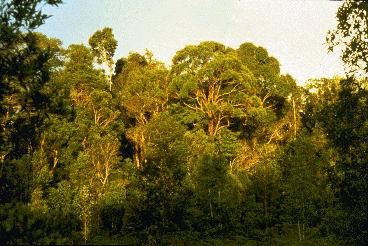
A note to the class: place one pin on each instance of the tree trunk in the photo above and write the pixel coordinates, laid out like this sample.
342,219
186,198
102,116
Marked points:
85,231
300,235
209,194
294,120
210,127
106,63
136,156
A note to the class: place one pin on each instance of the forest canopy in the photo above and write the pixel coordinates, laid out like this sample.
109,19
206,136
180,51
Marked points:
219,148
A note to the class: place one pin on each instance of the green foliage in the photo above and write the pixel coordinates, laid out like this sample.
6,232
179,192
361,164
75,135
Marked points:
258,62
163,175
303,165
261,195
218,149
84,204
216,196
79,76
141,93
26,64
22,224
351,32
212,83
103,46
319,94
345,125
227,144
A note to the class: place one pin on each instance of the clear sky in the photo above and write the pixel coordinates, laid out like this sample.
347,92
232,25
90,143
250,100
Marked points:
291,31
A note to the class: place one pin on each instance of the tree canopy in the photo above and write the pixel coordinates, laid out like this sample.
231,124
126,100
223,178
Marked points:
218,148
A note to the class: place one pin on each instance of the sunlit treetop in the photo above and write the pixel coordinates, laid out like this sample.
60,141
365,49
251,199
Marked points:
103,44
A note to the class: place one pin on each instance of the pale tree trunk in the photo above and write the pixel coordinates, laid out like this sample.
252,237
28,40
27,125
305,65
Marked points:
301,231
136,156
300,234
294,120
209,194
108,74
85,231
110,82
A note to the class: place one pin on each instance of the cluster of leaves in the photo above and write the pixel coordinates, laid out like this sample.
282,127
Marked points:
352,34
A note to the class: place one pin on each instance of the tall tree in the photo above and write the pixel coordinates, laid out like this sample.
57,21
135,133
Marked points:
25,70
26,64
276,92
345,120
164,172
212,82
352,33
142,92
345,124
103,46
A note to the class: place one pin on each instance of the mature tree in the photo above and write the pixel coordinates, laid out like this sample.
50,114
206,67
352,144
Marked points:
27,60
318,94
17,16
345,120
57,60
345,124
221,87
80,147
212,82
25,69
276,92
265,68
103,46
79,77
142,92
352,34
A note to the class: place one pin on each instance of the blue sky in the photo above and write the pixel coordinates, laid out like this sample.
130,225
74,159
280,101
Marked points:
291,31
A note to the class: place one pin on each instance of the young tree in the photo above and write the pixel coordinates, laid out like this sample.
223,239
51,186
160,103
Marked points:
164,172
303,164
215,205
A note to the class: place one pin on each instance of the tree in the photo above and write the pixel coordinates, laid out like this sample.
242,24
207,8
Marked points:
142,93
103,46
25,70
265,68
215,205
164,173
213,83
84,203
318,93
352,34
27,61
345,124
277,94
303,164
81,146
17,16
345,120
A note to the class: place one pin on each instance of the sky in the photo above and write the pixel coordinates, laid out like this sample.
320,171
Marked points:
293,31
